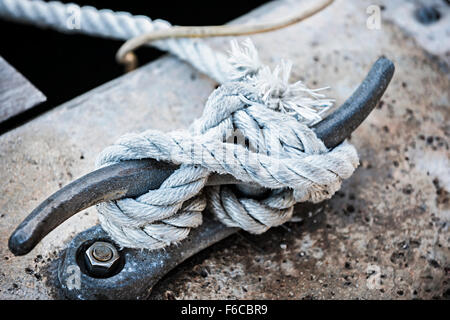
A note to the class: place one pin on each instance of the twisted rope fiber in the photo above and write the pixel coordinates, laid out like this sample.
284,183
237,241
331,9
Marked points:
282,154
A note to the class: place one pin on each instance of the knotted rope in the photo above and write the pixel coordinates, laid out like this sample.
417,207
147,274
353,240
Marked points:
280,152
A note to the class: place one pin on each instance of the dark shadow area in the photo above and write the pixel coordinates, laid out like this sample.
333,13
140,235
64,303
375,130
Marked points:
64,66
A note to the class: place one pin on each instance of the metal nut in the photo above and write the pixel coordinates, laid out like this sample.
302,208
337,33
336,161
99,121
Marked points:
101,258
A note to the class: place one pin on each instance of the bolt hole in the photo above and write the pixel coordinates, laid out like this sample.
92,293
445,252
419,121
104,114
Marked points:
81,261
427,15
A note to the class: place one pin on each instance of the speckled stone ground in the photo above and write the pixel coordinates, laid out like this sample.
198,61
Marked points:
383,236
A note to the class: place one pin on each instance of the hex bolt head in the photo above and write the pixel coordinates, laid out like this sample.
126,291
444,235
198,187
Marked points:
101,259
102,253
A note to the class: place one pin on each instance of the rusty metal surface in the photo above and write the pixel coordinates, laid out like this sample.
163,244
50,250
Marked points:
385,235
17,94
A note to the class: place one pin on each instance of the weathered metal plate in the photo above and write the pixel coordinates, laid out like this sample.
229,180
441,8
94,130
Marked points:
385,235
17,94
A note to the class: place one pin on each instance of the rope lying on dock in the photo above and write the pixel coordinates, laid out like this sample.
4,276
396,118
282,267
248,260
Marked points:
278,149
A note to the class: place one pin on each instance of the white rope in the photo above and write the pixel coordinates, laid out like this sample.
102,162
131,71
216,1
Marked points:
282,153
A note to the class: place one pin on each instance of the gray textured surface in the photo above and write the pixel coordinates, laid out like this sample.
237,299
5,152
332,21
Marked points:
17,94
385,235
432,37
